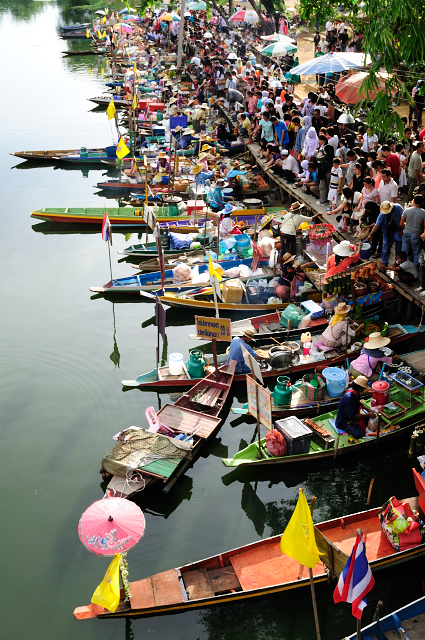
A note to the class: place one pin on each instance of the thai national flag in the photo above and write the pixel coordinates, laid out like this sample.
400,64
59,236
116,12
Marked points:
106,229
356,580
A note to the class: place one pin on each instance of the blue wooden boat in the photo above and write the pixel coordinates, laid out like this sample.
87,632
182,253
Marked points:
77,27
151,281
407,622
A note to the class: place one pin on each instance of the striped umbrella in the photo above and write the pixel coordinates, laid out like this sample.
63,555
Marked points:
278,37
247,15
278,49
331,63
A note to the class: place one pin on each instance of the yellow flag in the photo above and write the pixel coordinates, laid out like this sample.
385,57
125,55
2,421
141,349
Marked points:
135,101
111,111
107,593
135,70
211,269
87,33
298,540
103,20
122,149
99,35
104,34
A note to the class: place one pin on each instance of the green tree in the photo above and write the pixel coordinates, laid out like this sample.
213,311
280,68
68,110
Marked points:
393,36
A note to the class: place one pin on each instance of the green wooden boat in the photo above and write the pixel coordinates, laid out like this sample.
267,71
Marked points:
118,216
399,424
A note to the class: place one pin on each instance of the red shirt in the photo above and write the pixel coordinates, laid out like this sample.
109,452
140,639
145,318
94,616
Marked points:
393,163
422,134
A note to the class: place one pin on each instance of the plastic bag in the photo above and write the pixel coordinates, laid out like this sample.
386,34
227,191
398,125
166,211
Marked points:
274,255
201,278
180,240
182,273
372,424
234,272
291,314
276,444
266,246
401,526
245,271
305,321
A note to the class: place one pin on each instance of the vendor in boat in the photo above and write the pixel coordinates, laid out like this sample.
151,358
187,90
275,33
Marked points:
227,226
218,199
162,164
235,351
344,255
371,358
202,176
290,275
290,225
349,417
339,332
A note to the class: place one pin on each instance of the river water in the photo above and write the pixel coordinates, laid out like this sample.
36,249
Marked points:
63,356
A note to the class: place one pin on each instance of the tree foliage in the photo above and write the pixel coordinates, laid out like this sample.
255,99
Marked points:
393,36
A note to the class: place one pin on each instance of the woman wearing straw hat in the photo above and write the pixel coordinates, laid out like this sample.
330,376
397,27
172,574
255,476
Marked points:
343,256
200,175
218,199
162,164
227,226
349,417
370,360
339,332
290,275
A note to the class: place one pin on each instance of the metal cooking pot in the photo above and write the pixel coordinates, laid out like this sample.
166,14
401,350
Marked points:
281,358
293,346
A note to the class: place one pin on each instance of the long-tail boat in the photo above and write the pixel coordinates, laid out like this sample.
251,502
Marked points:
52,155
151,281
407,622
162,378
195,417
260,569
409,412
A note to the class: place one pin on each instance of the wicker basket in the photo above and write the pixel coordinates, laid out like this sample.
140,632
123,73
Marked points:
232,291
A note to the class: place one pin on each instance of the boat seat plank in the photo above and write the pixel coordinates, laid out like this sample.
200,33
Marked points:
167,588
198,584
166,375
188,421
266,565
219,385
377,545
223,579
414,628
142,595
164,468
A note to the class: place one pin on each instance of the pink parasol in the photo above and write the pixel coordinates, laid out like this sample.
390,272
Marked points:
246,15
349,88
111,526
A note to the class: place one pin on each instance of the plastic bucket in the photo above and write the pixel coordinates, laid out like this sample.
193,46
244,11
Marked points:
175,363
365,251
381,392
336,380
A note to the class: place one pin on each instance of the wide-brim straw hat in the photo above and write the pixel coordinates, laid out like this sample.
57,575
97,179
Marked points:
178,128
376,341
342,308
202,156
386,207
248,333
205,147
344,249
287,257
162,154
173,100
220,184
296,206
204,105
197,169
362,381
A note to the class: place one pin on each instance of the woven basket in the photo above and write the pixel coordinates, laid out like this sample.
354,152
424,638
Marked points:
312,393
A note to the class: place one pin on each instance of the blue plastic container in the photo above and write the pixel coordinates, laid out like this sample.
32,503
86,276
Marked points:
336,380
111,151
365,251
165,179
243,240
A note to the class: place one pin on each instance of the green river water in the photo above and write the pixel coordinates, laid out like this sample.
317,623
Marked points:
62,359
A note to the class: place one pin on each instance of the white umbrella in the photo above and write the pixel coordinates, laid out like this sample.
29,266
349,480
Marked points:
208,34
331,63
278,37
232,56
100,13
187,14
275,84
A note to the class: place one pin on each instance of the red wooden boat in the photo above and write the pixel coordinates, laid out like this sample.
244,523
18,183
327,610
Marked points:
160,458
260,568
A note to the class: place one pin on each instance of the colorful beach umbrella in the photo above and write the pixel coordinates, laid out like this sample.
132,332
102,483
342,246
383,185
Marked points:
197,6
247,15
276,49
111,526
278,37
175,17
166,17
331,63
348,89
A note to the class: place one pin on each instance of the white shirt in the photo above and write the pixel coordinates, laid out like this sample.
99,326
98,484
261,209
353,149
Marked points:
196,61
368,142
387,191
334,142
291,223
290,164
329,25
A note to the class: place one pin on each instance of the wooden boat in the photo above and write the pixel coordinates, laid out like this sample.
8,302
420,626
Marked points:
85,52
52,155
324,446
416,359
258,569
398,333
407,622
103,102
77,27
203,299
118,216
196,415
151,281
187,257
